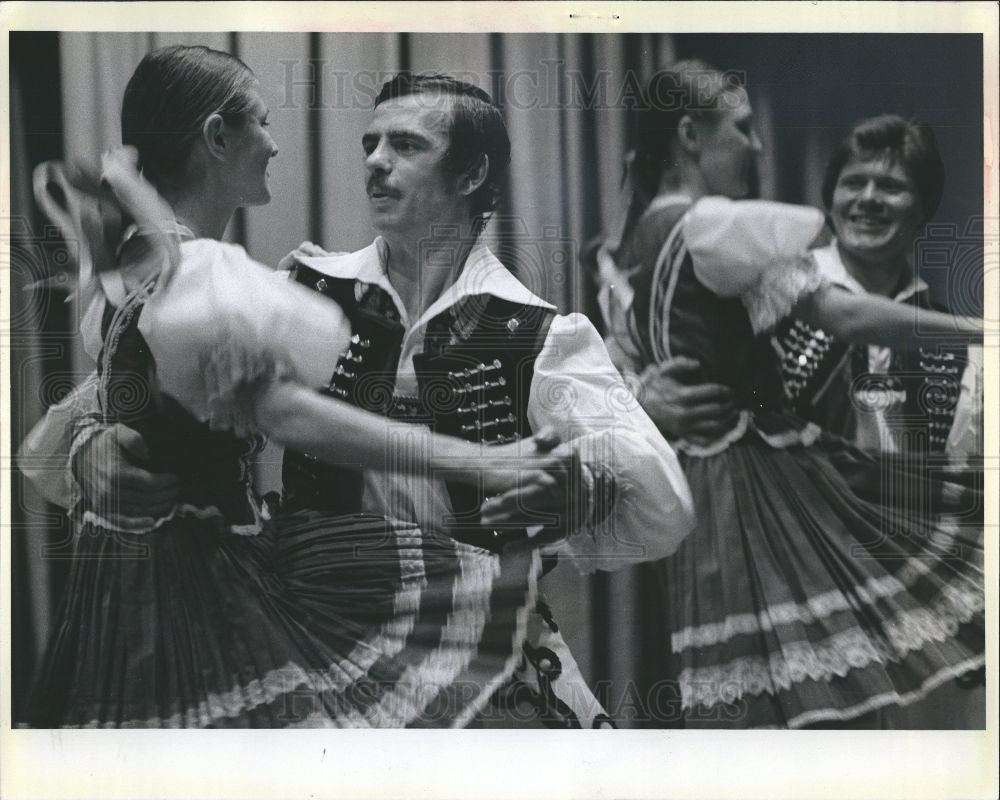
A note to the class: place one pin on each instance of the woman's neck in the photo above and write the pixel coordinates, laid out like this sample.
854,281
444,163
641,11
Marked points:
201,211
683,178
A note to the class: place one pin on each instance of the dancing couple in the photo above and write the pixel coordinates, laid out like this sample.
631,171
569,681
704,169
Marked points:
429,463
823,583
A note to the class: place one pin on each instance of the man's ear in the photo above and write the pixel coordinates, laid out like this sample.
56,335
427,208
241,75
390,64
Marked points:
215,136
475,176
689,135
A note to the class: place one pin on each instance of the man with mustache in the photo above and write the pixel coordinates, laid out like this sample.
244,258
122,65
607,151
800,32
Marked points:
446,337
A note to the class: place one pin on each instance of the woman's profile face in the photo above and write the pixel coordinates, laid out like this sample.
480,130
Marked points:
876,210
253,149
729,146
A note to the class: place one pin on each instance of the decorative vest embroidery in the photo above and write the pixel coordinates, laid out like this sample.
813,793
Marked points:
474,378
927,381
809,356
474,381
932,383
365,376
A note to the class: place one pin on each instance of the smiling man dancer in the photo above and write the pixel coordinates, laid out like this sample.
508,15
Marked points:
882,185
447,338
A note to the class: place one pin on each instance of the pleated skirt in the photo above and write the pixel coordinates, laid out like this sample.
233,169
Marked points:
821,583
315,621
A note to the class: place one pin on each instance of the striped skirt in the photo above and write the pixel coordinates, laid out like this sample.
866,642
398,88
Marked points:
315,621
820,584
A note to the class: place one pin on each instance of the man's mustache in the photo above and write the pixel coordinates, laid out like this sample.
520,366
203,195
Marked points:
376,186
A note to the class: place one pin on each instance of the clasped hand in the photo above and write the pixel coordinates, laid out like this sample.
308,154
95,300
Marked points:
537,483
112,470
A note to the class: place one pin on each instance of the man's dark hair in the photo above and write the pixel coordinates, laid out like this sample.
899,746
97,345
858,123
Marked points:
476,128
910,143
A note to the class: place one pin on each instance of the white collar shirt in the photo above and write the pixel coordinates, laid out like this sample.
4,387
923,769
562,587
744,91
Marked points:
575,389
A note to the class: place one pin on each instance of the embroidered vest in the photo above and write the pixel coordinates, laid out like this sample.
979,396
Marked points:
365,376
929,381
473,378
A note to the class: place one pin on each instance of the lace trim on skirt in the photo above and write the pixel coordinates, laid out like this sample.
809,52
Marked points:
142,525
816,608
823,605
832,657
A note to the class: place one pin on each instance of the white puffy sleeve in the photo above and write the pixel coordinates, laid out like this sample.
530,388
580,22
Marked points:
641,505
225,323
756,250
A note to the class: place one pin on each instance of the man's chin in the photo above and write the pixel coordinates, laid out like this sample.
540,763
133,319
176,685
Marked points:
383,216
870,249
873,242
384,223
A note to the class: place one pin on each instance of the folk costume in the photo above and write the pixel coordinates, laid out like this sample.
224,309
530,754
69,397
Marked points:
218,614
815,587
490,361
927,400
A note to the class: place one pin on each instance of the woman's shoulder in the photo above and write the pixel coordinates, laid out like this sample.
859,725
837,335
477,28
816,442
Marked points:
207,261
213,249
140,268
656,223
663,213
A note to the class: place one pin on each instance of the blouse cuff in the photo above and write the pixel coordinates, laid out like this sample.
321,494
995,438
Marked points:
600,493
774,294
85,429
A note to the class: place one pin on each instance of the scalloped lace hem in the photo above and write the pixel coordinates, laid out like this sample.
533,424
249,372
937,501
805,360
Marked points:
143,525
884,699
832,658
